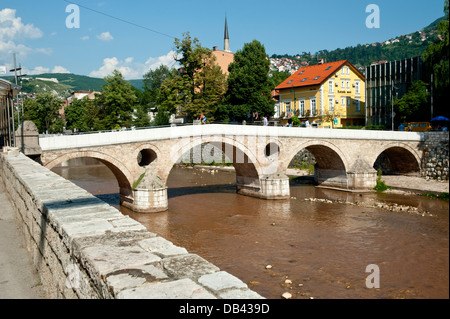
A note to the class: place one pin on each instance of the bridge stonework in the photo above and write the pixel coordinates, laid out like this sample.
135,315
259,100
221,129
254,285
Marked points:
142,160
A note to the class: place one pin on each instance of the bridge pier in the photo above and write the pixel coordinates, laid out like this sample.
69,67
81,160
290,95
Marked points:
274,186
147,200
360,176
149,195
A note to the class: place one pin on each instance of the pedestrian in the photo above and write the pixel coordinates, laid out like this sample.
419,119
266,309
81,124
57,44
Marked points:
202,118
265,122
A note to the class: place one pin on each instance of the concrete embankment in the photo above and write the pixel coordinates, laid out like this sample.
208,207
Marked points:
84,248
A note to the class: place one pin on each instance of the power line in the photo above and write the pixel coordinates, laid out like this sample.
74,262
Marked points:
120,19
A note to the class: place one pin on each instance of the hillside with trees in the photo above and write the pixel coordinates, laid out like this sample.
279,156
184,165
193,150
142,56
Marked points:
361,55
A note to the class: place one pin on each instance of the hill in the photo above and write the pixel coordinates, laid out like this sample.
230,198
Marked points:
62,84
362,55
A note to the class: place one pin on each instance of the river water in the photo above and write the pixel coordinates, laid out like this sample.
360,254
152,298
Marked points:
315,249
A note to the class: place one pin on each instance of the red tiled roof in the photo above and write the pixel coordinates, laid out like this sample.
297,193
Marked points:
312,75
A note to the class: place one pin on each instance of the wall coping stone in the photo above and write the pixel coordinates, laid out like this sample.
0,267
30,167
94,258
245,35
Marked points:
114,255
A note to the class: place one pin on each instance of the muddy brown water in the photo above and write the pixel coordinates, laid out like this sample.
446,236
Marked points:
316,250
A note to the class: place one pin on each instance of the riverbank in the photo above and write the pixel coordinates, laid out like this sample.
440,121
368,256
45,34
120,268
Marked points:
407,185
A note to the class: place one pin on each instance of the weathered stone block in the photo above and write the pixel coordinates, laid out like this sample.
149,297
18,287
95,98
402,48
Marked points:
179,289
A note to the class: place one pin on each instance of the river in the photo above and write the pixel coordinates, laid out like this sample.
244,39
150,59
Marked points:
310,249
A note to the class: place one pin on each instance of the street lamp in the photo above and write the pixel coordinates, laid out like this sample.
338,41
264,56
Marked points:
393,88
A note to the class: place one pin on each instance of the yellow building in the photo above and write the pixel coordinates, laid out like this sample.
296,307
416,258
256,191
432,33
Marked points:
330,95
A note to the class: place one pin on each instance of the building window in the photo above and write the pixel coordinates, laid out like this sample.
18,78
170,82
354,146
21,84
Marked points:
348,70
343,99
342,84
288,107
348,101
330,86
357,87
302,107
348,84
357,106
331,105
313,106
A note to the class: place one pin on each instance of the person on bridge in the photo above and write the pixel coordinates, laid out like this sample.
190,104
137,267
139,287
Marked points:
265,122
202,118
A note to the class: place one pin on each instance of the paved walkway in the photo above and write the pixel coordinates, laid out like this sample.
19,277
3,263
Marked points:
416,184
18,277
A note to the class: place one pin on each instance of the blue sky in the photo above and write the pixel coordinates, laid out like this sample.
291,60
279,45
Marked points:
36,30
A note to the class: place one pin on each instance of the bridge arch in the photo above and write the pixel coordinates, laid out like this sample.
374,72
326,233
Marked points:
328,156
397,158
331,163
122,174
247,167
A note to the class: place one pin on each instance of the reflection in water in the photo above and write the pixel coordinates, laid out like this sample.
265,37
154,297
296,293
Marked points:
322,248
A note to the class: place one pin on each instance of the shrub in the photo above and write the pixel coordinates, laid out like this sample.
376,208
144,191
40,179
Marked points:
381,185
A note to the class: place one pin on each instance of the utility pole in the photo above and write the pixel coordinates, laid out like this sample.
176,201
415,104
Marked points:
17,100
393,88
17,96
392,110
431,89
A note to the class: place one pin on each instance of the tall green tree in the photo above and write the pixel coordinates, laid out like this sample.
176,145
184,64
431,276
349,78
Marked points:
44,112
153,80
413,104
249,87
76,114
116,103
437,58
199,84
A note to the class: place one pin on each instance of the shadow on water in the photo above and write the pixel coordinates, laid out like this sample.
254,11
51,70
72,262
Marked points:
173,192
206,189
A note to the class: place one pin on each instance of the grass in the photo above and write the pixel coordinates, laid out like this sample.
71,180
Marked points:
443,196
136,183
381,185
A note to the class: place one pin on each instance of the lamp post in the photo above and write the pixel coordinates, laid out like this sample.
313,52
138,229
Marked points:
393,88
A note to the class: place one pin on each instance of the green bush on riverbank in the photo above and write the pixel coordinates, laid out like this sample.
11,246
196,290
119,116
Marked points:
443,196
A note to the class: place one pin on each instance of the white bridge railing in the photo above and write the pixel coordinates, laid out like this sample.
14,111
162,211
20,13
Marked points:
57,142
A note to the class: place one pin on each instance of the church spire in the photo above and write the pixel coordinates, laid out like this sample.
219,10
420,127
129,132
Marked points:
226,37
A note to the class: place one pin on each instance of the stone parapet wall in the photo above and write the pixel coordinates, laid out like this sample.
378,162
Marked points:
84,248
435,160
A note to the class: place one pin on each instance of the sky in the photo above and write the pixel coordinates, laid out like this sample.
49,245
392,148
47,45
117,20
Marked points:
136,36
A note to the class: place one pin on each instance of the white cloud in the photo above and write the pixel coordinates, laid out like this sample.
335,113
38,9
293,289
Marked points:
37,70
60,69
154,63
86,37
130,69
13,29
105,36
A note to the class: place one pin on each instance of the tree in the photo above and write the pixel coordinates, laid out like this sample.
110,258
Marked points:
44,112
277,77
413,105
437,58
153,80
199,84
141,117
249,88
76,116
116,103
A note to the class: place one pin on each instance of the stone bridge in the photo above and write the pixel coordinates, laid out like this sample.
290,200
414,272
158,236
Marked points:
141,160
